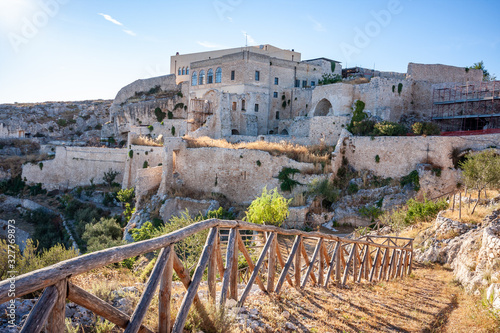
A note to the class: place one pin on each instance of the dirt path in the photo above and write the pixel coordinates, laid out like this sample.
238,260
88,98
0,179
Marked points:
426,301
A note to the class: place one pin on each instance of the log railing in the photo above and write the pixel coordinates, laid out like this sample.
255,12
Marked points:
333,260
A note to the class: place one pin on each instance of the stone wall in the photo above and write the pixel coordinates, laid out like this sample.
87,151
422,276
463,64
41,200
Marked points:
238,174
76,166
147,179
141,154
442,73
400,155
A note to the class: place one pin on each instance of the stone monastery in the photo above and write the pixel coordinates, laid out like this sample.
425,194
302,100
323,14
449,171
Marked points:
264,93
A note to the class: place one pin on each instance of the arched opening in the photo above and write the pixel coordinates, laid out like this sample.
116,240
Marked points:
194,79
210,76
180,71
183,71
187,70
284,132
235,132
218,75
323,108
201,79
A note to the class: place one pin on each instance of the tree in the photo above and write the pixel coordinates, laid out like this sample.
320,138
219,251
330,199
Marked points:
103,234
486,75
109,177
481,171
270,208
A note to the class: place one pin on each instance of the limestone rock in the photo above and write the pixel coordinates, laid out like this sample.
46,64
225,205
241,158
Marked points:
493,295
176,206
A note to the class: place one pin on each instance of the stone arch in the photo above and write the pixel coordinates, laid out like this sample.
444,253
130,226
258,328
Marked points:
284,132
235,132
323,108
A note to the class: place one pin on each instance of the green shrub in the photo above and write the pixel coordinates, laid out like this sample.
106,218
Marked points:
400,88
329,78
172,130
126,195
411,178
358,115
103,234
423,211
258,163
62,122
130,153
270,208
151,128
145,165
221,214
372,212
180,94
377,159
353,188
49,229
388,128
425,128
98,127
37,189
179,106
170,115
324,189
12,186
40,165
160,115
287,184
109,176
86,216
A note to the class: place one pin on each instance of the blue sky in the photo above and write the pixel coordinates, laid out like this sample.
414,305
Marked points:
64,50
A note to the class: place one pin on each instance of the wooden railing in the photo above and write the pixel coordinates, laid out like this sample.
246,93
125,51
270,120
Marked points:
334,259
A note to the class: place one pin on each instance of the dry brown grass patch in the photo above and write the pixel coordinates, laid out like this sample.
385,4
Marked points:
318,154
146,141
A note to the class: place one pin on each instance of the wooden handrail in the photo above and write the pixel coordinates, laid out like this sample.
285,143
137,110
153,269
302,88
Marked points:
329,254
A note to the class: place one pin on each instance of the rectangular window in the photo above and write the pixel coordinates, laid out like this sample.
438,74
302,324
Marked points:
243,105
304,83
256,108
232,75
313,83
234,106
275,94
297,83
277,115
257,76
276,81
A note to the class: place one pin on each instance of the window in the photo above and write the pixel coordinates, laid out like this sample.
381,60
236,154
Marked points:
277,115
218,75
210,76
194,79
201,79
313,83
243,105
234,106
257,76
276,81
304,83
297,83
183,71
275,95
256,108
187,70
180,71
232,75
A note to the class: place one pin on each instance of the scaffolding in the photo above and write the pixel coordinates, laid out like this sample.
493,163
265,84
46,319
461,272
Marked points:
199,112
471,106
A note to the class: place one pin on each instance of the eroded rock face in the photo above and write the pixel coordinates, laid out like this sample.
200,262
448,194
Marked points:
473,252
176,206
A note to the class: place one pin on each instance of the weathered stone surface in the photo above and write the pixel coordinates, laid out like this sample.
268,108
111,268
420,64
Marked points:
176,206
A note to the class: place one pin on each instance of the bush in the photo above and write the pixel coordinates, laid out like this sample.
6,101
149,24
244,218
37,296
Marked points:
362,128
48,228
102,235
126,195
425,128
329,79
172,130
270,208
130,153
388,128
86,216
12,186
411,178
324,189
377,159
170,115
221,214
160,115
109,177
62,122
145,165
151,128
288,184
353,188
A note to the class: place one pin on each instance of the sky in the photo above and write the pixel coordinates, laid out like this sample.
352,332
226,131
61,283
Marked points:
71,50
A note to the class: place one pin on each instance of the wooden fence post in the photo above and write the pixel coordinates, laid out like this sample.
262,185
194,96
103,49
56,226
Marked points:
165,294
271,264
56,323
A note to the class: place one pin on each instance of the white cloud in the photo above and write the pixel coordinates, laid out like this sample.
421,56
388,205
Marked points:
316,24
210,45
110,19
249,39
230,19
130,32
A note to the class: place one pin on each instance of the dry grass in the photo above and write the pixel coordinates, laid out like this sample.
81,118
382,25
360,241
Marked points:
318,154
359,80
146,141
15,163
479,214
427,301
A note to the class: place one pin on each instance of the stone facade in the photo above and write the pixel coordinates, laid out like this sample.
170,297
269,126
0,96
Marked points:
76,166
148,156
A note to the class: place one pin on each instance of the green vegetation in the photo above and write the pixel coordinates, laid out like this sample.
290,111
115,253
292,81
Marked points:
130,153
151,128
170,115
400,88
411,178
287,184
172,130
62,122
160,115
178,106
353,188
333,65
481,171
49,230
145,165
325,190
258,163
109,177
426,128
388,128
270,208
220,213
358,115
486,75
103,234
329,79
180,94
377,159
126,195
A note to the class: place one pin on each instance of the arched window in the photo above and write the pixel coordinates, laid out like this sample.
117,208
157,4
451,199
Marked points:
194,79
218,75
210,76
183,71
187,70
180,71
201,79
